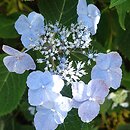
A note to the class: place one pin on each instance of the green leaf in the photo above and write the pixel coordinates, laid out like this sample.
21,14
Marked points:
126,80
7,29
87,126
116,2
63,11
123,38
11,89
123,127
106,106
122,9
72,122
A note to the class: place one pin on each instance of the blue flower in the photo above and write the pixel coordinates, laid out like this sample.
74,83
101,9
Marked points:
88,97
88,15
43,87
31,28
17,61
108,69
50,118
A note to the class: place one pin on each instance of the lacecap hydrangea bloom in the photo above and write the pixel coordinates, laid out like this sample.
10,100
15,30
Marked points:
57,45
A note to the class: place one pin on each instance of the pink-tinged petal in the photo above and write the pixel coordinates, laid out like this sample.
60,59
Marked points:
103,61
45,121
28,62
115,59
88,111
22,24
24,62
82,7
11,51
115,76
112,76
58,83
9,62
98,73
79,91
97,90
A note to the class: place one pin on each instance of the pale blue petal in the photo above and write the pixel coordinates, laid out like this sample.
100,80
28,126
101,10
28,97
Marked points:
93,11
94,14
35,80
103,61
22,24
64,103
59,116
42,97
115,76
115,59
45,121
11,51
82,7
86,21
95,21
36,97
19,63
9,62
47,80
24,62
37,23
58,83
49,99
97,73
112,77
79,91
88,111
97,90
29,40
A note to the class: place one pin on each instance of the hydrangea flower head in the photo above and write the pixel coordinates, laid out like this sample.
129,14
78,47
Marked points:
18,61
31,28
50,118
43,86
108,69
88,97
88,15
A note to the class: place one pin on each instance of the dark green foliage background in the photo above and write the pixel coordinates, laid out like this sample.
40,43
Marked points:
113,34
